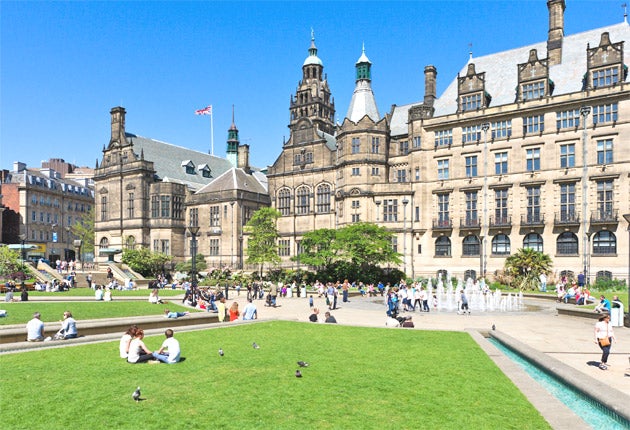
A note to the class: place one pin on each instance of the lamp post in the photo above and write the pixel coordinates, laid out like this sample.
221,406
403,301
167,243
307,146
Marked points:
22,240
584,113
627,218
232,238
193,230
297,251
484,233
405,202
67,257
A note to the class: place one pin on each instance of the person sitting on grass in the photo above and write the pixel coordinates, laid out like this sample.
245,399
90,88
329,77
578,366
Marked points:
170,351
154,297
138,351
126,339
175,315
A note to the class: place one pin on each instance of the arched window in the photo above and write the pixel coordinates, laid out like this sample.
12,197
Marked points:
567,244
284,201
130,242
470,274
501,245
533,241
323,198
471,245
443,246
604,274
604,242
302,201
104,243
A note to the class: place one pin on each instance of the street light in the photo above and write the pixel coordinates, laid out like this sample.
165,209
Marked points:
627,218
405,202
67,243
232,238
584,113
297,244
22,240
193,230
484,233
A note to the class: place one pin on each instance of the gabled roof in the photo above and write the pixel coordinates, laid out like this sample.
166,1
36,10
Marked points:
236,179
169,161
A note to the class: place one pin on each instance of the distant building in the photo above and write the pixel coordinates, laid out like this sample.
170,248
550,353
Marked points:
524,149
149,192
41,209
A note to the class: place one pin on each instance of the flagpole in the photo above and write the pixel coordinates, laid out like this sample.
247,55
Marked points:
211,132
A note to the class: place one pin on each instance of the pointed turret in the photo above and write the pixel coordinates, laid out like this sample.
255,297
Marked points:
232,143
363,102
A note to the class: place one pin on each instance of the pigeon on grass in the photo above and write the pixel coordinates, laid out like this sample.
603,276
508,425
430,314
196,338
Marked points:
256,346
298,374
136,395
302,363
221,353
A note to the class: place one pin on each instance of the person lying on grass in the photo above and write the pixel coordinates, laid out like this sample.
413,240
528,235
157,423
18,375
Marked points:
174,314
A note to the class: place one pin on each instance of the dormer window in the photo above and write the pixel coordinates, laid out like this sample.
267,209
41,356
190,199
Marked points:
205,171
605,63
471,90
605,77
471,102
533,90
533,78
189,167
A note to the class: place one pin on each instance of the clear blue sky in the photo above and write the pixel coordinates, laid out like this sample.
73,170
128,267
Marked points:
64,65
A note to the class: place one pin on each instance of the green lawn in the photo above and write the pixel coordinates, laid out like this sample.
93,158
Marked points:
21,313
358,378
88,292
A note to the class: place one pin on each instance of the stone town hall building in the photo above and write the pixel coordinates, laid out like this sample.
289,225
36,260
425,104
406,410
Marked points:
527,148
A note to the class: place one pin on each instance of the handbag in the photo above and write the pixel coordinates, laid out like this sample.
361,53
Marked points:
605,341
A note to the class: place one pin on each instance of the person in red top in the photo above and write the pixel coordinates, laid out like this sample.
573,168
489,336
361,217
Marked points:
234,312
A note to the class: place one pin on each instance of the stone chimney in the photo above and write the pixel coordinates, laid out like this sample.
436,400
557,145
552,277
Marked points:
430,84
243,157
556,31
118,127
18,166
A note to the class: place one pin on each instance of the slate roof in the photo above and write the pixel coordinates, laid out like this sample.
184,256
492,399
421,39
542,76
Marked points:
236,179
169,161
501,72
362,103
331,141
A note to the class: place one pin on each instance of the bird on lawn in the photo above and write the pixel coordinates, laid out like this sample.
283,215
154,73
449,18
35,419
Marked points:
494,327
136,394
302,363
298,374
256,346
221,353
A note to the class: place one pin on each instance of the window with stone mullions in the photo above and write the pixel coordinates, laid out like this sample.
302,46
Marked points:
533,90
390,210
215,216
533,124
567,202
605,113
533,204
501,163
471,134
302,204
604,151
214,247
375,145
533,159
501,206
356,145
471,208
568,119
471,166
471,102
442,171
443,209
404,147
284,202
605,202
567,155
605,77
444,137
284,248
323,198
401,175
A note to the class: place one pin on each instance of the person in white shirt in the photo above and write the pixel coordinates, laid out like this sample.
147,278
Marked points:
250,312
170,351
35,329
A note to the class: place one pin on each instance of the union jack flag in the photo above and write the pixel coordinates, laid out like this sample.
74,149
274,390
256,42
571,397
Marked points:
205,111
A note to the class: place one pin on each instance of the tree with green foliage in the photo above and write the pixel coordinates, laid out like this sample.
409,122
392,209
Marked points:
84,230
366,244
10,262
525,267
145,262
263,233
318,248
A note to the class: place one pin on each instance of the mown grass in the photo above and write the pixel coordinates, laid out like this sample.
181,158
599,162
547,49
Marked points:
358,378
22,312
88,292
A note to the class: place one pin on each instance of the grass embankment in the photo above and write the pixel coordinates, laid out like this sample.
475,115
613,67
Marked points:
22,312
358,378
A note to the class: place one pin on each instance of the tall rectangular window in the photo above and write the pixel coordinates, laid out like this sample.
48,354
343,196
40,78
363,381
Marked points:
193,215
605,151
533,124
323,198
155,206
103,208
444,137
356,171
214,247
605,199
390,210
568,119
443,209
533,204
156,245
501,206
375,171
284,247
356,145
471,166
404,147
165,246
302,201
165,206
417,174
533,159
471,208
178,207
401,175
501,163
605,113
567,202
567,155
356,218
375,145
284,202
417,142
442,170
130,204
215,216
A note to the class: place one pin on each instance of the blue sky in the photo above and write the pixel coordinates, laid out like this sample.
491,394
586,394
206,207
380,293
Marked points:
64,65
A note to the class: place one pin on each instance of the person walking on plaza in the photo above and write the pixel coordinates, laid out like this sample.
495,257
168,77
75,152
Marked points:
543,282
604,337
463,303
35,329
